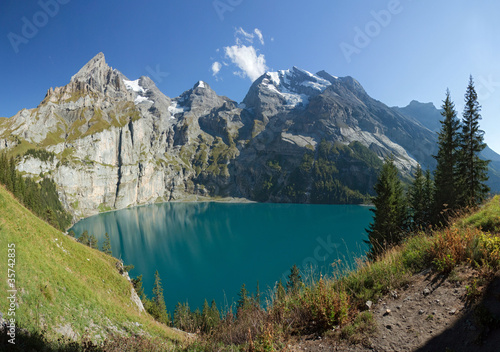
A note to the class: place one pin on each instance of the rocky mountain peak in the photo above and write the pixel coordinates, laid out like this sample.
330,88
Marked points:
98,76
95,67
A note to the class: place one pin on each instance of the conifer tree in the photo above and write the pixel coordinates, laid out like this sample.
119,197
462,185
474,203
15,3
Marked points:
205,317
106,246
294,280
84,238
416,198
137,283
183,318
472,170
429,189
389,210
243,300
159,301
280,291
93,242
420,199
214,313
446,174
210,316
257,295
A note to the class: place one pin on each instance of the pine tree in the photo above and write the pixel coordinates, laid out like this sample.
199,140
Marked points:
389,218
446,174
280,292
84,238
161,314
420,199
137,283
429,190
93,242
210,316
416,199
106,246
472,170
243,300
205,317
183,318
257,295
294,281
214,313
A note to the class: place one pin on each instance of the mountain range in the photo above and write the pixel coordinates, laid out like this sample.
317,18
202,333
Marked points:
112,142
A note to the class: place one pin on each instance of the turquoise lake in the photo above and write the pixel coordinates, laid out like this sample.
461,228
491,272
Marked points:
208,250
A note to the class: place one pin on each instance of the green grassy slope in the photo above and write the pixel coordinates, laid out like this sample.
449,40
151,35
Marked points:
62,283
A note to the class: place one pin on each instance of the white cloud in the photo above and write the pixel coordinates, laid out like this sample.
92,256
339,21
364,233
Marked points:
259,35
244,55
216,66
248,61
241,34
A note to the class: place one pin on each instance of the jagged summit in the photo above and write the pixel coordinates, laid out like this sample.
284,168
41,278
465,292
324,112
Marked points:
96,67
99,76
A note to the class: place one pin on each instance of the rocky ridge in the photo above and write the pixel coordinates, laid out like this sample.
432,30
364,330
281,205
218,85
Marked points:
120,142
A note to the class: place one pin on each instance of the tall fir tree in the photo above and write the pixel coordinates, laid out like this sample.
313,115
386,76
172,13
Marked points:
472,169
389,219
93,243
416,198
446,174
280,291
294,280
420,199
161,313
243,300
106,246
84,238
429,190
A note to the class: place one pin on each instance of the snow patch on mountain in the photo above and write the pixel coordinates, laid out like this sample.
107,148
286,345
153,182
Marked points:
176,108
134,85
295,86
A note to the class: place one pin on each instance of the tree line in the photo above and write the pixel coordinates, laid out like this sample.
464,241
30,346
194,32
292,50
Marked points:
458,183
40,197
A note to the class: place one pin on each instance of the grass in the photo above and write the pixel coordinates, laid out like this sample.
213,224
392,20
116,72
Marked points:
487,218
62,282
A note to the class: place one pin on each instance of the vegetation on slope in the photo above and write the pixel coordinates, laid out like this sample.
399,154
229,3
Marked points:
40,197
64,286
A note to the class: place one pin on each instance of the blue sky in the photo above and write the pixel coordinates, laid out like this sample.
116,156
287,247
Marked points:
398,50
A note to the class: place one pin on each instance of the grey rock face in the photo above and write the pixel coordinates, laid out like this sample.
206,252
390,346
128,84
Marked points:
119,143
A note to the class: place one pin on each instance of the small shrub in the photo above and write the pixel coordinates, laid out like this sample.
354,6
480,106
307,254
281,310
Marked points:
327,307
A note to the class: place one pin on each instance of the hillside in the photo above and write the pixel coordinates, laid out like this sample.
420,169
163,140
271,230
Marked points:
65,288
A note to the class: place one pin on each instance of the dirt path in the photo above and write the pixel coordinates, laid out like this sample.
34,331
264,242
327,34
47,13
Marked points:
433,313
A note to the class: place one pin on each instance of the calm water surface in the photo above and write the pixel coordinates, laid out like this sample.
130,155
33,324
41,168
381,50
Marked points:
208,250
